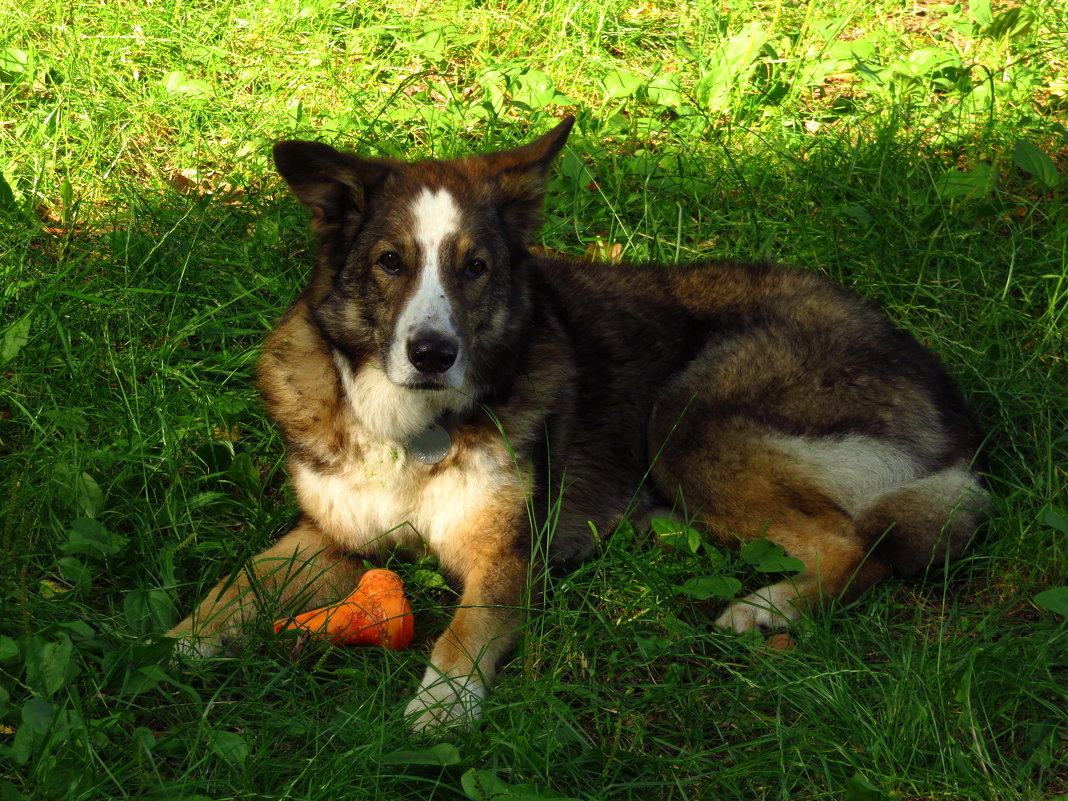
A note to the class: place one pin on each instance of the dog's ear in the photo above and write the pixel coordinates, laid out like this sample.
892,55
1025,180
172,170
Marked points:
334,185
519,176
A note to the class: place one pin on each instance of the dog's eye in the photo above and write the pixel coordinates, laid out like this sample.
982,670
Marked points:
475,268
390,262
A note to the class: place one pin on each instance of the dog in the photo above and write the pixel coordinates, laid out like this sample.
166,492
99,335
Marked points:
439,387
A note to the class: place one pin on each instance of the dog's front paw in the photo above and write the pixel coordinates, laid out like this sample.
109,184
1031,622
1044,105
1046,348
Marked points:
445,703
191,646
198,644
766,610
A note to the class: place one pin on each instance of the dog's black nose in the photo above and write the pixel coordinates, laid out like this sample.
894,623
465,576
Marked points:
432,354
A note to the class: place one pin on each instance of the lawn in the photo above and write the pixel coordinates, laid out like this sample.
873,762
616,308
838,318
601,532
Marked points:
914,151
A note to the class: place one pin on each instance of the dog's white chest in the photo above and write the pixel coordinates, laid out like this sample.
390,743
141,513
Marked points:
389,496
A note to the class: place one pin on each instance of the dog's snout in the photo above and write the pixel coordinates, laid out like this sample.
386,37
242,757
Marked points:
432,353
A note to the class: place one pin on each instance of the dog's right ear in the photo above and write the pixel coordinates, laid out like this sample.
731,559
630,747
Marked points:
334,185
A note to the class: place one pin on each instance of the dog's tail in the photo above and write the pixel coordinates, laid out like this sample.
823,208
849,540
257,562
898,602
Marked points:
925,522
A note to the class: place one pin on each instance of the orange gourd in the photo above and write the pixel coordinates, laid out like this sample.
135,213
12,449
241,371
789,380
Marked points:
376,613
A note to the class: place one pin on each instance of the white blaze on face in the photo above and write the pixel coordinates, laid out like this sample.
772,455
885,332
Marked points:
435,219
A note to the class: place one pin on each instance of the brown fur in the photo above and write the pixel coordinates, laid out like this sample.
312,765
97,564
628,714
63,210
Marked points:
761,401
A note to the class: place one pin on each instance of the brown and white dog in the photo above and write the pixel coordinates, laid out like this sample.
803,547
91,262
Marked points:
439,387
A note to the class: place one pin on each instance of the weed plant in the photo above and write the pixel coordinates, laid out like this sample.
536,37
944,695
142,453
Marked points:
915,151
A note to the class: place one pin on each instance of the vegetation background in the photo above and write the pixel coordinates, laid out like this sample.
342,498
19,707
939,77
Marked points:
914,150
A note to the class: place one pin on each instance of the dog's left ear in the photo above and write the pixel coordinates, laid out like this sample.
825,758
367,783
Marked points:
519,176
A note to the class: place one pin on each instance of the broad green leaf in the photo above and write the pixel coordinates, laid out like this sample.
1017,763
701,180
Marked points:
50,664
80,630
244,473
68,420
653,646
442,754
1053,600
684,49
574,168
228,746
79,490
37,718
729,68
814,72
780,564
1055,519
979,10
743,48
66,197
926,60
714,88
37,714
432,44
204,499
76,572
767,557
622,83
178,83
15,336
705,587
860,789
953,185
535,88
429,578
754,551
483,785
1014,22
88,537
142,680
14,64
143,739
1032,160
148,611
7,195
9,650
858,213
664,89
679,536
1041,744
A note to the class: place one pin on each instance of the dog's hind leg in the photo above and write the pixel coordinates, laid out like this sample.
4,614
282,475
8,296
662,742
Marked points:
836,565
742,487
302,569
905,530
927,521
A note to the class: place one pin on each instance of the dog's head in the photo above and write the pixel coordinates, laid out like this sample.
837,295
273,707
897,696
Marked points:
422,265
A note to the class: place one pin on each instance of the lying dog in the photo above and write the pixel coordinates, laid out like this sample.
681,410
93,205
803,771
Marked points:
439,387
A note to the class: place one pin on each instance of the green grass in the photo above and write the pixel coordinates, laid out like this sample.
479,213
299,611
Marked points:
914,151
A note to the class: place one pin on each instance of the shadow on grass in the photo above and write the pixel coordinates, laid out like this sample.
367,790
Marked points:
139,467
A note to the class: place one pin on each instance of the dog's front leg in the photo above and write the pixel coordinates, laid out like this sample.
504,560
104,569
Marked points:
465,658
304,567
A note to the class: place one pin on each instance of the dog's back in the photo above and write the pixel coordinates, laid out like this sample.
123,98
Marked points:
767,402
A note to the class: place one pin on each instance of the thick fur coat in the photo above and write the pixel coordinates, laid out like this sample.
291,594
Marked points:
439,387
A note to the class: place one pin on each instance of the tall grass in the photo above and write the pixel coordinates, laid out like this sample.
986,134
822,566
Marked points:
913,151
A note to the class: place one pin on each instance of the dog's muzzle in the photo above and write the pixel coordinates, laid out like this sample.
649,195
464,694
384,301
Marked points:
432,354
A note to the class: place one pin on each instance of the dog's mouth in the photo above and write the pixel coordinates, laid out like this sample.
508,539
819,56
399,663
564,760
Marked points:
430,383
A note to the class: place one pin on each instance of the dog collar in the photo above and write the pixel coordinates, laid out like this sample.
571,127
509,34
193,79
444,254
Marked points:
430,445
